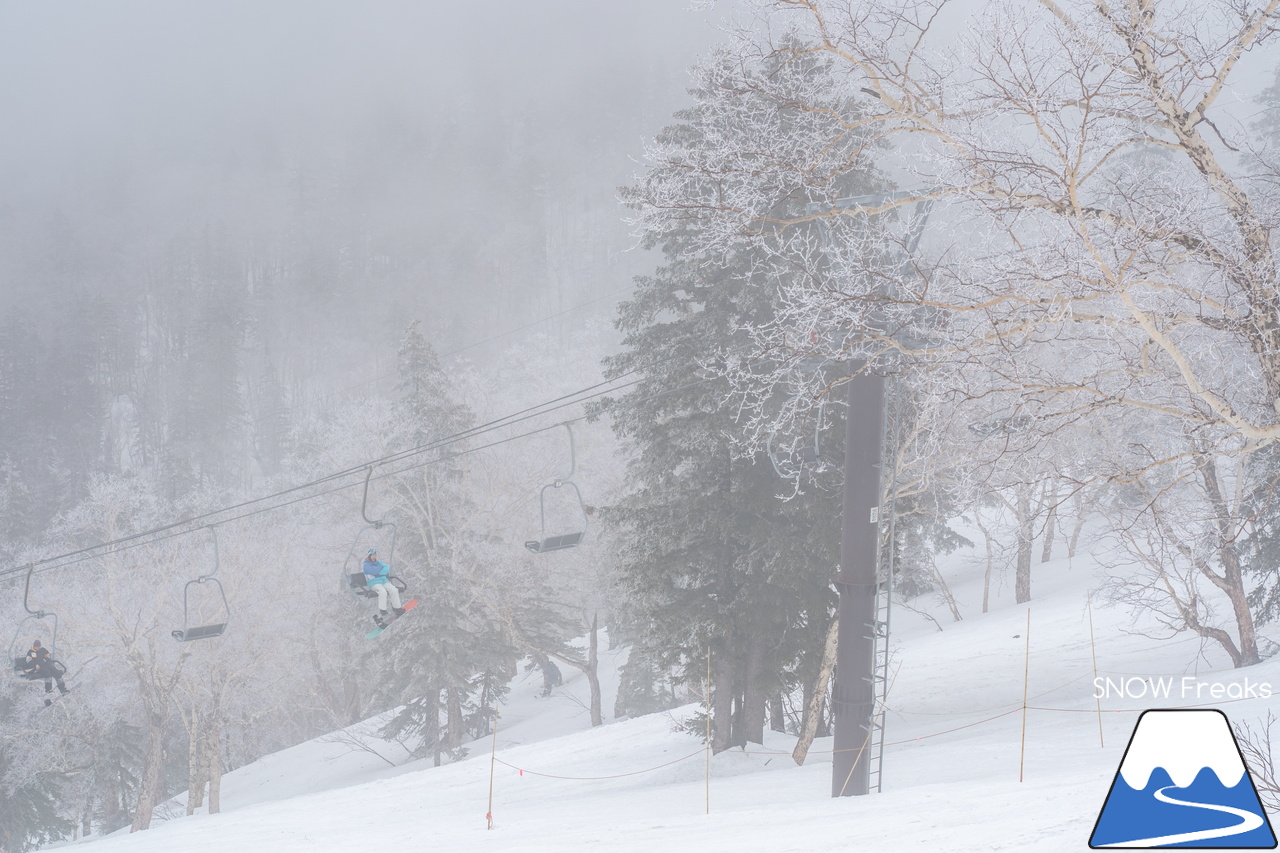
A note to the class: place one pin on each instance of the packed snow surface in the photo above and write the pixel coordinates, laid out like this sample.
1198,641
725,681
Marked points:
955,776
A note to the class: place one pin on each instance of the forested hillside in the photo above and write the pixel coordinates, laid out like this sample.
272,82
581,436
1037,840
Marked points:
585,325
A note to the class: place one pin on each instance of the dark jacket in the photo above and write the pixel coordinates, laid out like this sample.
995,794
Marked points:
39,660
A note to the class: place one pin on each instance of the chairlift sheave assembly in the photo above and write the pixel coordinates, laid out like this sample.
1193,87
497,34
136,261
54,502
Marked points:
355,581
190,632
559,541
26,626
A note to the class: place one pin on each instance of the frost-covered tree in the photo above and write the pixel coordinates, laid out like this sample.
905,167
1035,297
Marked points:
453,647
29,813
1103,255
710,558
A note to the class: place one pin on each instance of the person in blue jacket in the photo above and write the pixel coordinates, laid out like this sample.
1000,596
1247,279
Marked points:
375,578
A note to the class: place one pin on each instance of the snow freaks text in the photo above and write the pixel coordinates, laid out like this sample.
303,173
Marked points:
1186,687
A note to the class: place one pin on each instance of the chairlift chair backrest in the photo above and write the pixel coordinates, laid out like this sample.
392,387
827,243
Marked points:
558,542
546,543
190,632
355,581
27,626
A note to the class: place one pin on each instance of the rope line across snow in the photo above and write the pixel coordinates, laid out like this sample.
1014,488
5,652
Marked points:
890,743
600,778
983,721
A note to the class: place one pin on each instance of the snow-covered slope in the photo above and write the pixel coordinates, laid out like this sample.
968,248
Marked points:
951,770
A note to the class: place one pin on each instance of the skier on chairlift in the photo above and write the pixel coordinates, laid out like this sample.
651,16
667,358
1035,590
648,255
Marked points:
40,664
375,578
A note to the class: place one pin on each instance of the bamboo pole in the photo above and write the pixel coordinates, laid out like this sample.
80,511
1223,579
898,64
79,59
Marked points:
493,758
708,695
1093,651
1026,679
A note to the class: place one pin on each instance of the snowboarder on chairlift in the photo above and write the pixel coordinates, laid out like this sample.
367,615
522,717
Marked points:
40,664
375,578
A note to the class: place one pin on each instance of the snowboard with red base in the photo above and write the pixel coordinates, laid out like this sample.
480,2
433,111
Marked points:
408,605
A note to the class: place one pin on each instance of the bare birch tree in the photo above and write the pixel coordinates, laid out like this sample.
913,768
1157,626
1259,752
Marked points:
1107,257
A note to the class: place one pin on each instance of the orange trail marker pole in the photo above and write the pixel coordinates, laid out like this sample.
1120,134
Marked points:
493,757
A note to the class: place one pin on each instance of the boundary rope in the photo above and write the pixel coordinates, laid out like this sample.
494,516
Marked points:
700,751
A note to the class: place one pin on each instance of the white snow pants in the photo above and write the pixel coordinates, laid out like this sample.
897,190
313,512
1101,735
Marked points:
383,590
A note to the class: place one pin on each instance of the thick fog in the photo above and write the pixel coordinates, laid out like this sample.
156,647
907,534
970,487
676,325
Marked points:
377,162
759,367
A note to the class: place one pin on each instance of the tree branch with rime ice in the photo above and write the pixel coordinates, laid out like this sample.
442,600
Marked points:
1093,255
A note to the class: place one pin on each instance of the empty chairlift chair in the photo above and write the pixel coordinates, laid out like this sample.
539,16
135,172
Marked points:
190,632
547,541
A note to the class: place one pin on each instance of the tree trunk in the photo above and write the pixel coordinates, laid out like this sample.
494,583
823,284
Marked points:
351,687
944,590
453,724
813,708
590,667
986,576
152,774
777,717
722,691
753,710
113,809
433,726
827,715
593,673
1232,580
195,766
213,765
1026,536
739,736
1078,502
1244,620
1050,522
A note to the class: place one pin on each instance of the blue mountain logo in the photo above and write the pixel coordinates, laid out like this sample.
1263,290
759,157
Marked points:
1183,783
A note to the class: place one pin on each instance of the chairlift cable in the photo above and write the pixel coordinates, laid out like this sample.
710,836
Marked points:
451,353
184,526
180,528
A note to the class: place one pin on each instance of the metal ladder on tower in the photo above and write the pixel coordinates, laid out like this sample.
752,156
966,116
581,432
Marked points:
880,681
884,597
